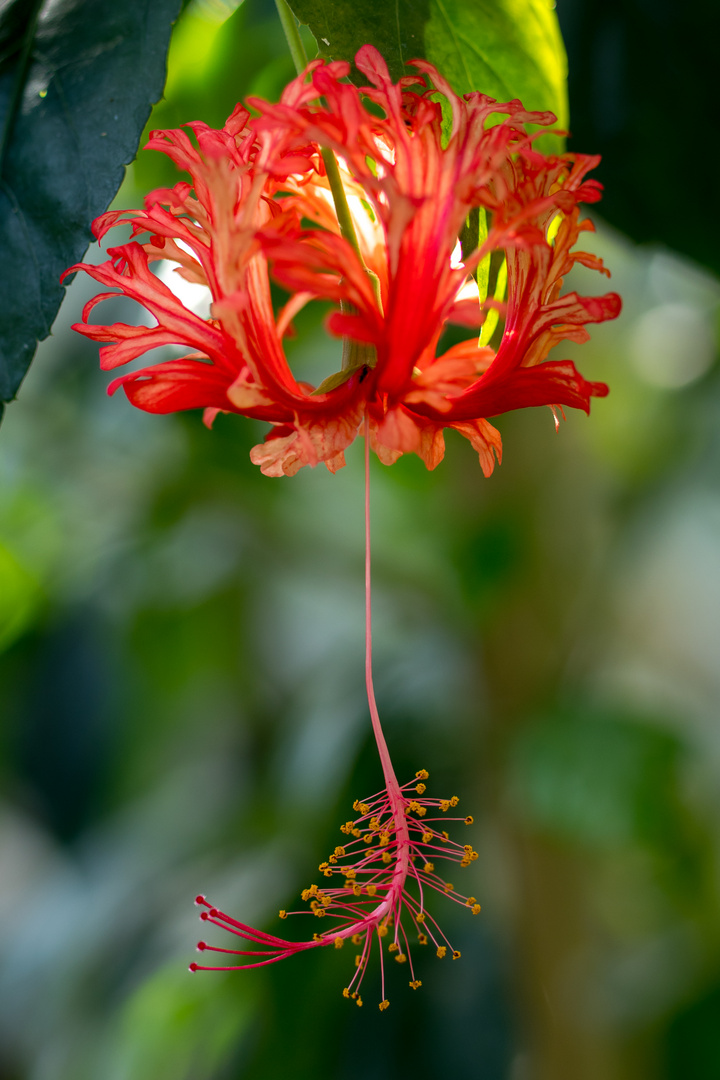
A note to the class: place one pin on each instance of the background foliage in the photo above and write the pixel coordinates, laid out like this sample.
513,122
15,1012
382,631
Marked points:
182,693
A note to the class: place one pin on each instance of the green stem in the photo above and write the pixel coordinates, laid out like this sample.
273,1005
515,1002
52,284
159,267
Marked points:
300,59
292,35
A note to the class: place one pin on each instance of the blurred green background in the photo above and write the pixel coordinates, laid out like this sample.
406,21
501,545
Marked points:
183,703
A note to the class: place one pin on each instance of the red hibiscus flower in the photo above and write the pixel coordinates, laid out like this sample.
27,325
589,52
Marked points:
260,204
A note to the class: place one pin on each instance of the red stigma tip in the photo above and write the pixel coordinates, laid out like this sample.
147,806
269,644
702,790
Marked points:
199,899
214,912
192,967
201,945
204,915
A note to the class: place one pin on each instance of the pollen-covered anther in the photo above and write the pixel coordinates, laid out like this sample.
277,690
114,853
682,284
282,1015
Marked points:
371,890
350,874
386,857
400,958
476,909
338,942
347,828
422,774
456,954
454,801
420,917
393,947
420,789
374,823
356,833
359,1002
384,1005
384,839
324,866
382,931
360,807
346,992
469,819
470,901
282,913
306,894
339,852
441,950
415,984
416,808
422,939
427,837
356,939
444,805
428,868
357,889
448,886
358,959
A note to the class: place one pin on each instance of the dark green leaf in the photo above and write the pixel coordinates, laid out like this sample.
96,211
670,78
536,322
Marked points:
77,79
506,48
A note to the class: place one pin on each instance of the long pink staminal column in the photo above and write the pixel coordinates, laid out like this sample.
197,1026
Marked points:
378,862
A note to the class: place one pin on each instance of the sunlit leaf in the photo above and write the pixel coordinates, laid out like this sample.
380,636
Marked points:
77,80
505,48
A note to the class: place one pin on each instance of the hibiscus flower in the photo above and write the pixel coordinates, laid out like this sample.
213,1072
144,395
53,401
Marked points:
260,204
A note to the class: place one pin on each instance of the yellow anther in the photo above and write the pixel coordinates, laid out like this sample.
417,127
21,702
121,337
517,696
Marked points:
444,836
332,859
416,808
386,857
320,912
356,833
357,891
465,861
283,914
393,946
422,939
346,992
473,856
448,887
350,874
444,805
476,909
469,819
383,1005
371,890
422,774
415,984
456,954
420,917
347,828
400,958
328,873
470,901
324,866
339,852
359,1002
467,849
427,837
428,868
367,838
420,789
383,839
454,801
358,959
317,937
326,900
338,943
374,822
441,950
382,931
356,939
